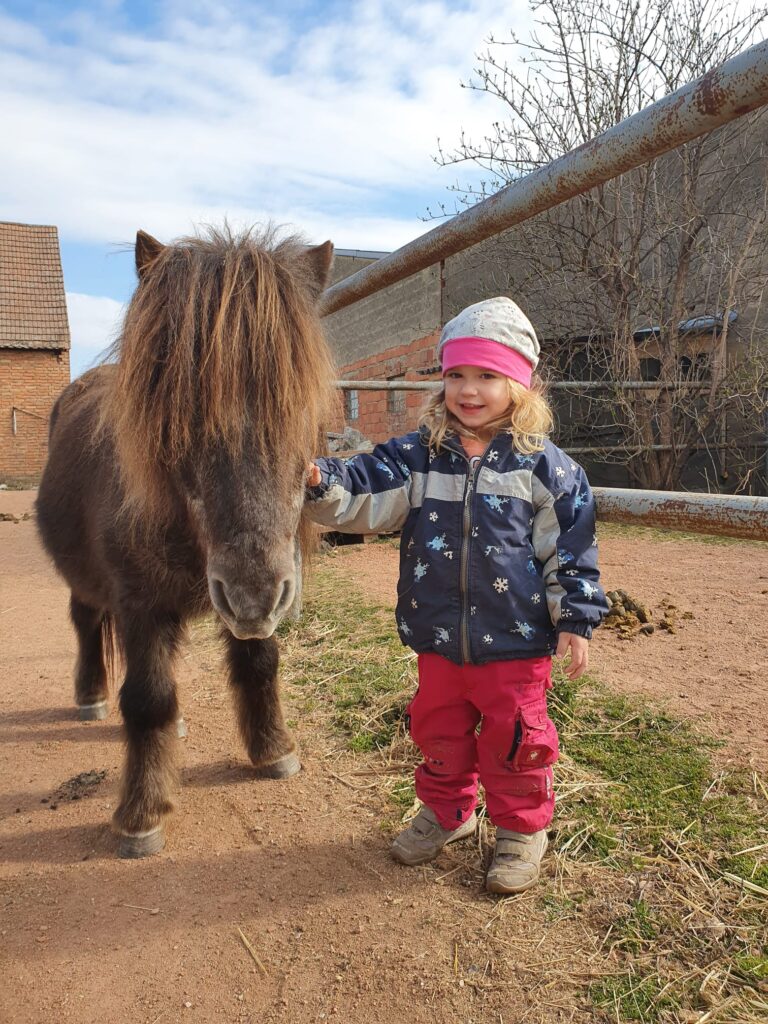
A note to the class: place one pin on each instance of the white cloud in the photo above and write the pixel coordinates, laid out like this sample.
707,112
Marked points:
94,322
225,110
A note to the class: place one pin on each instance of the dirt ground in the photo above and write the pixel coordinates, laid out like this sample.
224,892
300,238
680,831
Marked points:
300,868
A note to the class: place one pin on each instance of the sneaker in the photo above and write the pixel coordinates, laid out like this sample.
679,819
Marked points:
516,861
424,838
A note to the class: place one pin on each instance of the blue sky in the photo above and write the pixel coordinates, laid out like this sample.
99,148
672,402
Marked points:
322,116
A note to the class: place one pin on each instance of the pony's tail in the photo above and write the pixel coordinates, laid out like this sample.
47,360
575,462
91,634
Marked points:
111,648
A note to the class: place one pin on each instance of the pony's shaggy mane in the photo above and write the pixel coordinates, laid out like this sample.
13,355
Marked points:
221,345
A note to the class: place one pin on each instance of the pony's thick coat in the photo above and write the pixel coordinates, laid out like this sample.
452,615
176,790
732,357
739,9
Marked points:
175,478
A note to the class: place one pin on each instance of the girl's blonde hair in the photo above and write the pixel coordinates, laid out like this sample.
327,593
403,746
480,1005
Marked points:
528,419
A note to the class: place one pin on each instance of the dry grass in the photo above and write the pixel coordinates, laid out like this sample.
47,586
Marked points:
653,904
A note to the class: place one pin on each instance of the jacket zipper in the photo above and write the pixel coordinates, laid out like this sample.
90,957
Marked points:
464,574
464,646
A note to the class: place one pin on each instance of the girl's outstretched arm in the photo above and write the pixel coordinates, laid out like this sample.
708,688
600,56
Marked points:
367,493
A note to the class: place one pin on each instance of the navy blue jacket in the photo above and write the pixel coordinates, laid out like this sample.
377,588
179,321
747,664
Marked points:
495,557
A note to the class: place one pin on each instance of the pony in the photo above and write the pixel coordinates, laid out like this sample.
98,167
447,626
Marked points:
174,484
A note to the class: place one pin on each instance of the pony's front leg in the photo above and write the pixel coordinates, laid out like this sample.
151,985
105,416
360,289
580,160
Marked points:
150,710
253,678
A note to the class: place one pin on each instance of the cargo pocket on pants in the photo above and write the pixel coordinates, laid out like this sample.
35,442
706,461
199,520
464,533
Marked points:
535,743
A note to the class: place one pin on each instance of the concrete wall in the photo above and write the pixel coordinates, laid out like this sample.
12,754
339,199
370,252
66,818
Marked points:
392,332
391,318
31,380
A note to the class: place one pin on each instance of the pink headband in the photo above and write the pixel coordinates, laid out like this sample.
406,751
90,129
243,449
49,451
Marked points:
493,355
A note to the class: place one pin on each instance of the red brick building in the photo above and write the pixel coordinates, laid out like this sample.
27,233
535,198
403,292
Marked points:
34,346
388,336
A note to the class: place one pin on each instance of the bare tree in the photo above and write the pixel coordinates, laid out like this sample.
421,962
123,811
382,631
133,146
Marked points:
659,272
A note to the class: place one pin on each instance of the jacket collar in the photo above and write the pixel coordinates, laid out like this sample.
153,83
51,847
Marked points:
503,442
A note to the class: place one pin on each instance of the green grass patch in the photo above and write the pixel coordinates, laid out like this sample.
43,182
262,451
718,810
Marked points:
663,789
627,997
349,659
639,797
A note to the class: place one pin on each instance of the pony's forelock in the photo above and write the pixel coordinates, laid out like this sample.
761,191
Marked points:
222,346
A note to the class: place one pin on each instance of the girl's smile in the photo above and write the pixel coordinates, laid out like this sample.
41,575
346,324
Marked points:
475,396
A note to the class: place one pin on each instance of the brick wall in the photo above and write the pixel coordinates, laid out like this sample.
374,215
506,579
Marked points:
30,380
377,419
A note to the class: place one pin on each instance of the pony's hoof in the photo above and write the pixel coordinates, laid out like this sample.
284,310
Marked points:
93,712
283,768
181,728
134,845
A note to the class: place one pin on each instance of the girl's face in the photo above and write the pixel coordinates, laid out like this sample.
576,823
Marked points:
476,396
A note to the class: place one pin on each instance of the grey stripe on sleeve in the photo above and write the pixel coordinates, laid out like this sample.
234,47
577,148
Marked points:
546,530
418,487
384,512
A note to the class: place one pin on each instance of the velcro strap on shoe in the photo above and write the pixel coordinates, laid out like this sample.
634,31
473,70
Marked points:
522,850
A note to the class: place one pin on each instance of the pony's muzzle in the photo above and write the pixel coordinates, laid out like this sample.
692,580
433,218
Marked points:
252,613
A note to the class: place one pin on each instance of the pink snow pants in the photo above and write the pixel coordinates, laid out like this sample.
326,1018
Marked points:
511,754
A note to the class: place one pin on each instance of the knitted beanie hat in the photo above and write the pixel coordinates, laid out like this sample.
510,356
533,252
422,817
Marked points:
495,334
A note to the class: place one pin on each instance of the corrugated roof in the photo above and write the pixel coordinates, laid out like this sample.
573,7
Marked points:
33,308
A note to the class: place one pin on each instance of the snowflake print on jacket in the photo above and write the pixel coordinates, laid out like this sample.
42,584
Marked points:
512,568
495,501
588,590
420,570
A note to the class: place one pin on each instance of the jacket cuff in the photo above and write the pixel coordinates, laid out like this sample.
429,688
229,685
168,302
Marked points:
316,493
577,628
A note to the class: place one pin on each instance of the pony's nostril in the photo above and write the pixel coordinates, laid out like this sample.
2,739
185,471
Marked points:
219,596
286,596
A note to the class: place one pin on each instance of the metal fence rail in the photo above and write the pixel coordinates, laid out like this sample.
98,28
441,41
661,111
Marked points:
558,385
723,94
719,514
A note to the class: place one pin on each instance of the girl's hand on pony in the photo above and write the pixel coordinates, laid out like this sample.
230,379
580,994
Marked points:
579,648
314,479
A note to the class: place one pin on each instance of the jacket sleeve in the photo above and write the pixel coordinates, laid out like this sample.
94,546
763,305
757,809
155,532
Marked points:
565,543
368,493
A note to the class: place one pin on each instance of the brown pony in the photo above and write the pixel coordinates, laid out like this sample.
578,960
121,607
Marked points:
175,482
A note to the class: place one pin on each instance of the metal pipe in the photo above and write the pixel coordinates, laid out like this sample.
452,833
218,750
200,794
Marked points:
559,385
719,514
634,450
722,94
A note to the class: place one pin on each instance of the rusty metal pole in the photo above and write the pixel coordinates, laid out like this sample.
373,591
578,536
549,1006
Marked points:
735,88
724,515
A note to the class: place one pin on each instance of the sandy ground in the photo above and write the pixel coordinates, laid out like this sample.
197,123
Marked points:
301,867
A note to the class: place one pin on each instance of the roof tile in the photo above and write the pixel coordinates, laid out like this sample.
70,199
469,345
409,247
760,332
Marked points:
33,308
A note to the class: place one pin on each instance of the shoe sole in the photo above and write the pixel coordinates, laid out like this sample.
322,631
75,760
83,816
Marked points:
507,890
402,858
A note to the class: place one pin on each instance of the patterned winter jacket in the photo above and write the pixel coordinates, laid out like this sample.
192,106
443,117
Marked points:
496,555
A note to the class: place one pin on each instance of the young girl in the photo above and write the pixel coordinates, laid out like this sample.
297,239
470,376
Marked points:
498,572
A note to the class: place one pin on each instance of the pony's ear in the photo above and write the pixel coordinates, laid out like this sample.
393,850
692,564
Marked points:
147,251
319,260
